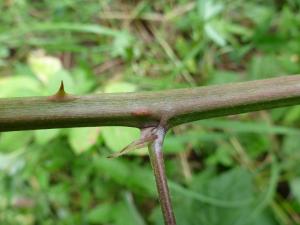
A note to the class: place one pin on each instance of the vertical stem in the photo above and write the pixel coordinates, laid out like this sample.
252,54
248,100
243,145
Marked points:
157,162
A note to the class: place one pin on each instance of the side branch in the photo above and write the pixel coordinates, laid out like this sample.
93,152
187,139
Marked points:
158,166
148,109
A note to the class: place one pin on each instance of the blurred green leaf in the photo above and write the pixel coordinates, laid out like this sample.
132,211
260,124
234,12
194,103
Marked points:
129,201
81,139
292,115
195,138
4,52
123,215
84,81
16,140
295,184
116,138
51,27
256,144
214,35
233,185
59,194
18,86
250,127
102,213
44,136
11,162
208,9
125,45
223,156
290,145
265,67
44,66
138,179
117,87
222,77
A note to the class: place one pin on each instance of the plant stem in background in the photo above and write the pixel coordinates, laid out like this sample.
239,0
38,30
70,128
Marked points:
157,162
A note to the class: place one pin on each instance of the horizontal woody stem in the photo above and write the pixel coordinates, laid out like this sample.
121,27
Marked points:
148,109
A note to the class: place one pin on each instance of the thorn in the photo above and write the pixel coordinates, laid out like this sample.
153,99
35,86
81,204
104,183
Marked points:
61,95
147,136
61,90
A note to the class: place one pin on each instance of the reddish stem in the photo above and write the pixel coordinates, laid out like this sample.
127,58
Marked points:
157,162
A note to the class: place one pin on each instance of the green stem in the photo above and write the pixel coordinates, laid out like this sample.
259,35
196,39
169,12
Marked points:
147,109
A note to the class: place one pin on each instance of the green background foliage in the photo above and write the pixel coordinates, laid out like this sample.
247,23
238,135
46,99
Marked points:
238,170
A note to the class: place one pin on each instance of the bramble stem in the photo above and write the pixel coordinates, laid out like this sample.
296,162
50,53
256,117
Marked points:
158,166
147,109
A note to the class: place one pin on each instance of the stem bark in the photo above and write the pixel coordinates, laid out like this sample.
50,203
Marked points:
158,166
147,109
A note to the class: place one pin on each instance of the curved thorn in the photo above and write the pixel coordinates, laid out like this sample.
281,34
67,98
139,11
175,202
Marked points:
147,136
